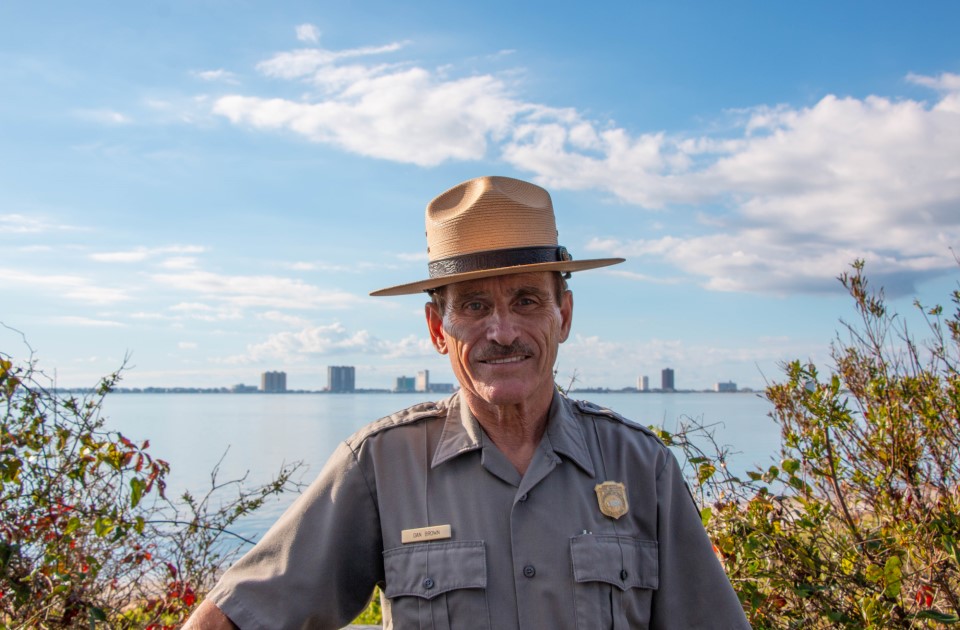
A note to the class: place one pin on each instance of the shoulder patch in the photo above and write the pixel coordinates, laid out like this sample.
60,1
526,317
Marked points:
404,417
585,406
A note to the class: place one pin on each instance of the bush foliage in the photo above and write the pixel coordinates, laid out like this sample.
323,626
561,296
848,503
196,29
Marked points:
87,535
859,524
857,527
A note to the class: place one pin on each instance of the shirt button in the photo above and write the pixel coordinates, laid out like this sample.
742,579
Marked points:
428,583
529,571
624,574
523,497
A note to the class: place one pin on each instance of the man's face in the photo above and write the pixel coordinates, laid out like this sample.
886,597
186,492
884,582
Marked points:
502,335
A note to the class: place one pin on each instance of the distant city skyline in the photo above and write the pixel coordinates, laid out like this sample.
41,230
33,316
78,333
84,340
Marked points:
212,190
341,378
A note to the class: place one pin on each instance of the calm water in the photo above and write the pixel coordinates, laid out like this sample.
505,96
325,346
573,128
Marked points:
258,433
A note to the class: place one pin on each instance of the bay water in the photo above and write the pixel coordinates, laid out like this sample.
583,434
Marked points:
255,435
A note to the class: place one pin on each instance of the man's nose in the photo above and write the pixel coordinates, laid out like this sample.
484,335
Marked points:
502,327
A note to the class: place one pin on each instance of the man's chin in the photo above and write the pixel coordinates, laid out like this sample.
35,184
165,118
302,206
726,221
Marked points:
505,394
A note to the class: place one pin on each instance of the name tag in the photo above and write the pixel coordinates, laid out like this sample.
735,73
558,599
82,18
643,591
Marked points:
423,534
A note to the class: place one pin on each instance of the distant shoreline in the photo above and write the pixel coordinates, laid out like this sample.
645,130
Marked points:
227,390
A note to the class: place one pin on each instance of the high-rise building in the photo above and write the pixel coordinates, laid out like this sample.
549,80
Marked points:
340,378
273,382
405,384
423,381
729,386
643,383
666,380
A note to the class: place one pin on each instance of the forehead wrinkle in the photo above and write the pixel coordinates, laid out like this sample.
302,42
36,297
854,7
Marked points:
522,281
523,289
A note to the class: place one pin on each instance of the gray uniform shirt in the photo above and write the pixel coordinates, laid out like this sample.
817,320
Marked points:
524,552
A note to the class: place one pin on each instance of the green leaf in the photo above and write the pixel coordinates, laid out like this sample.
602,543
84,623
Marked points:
938,616
72,525
892,576
705,515
102,526
705,471
137,486
790,465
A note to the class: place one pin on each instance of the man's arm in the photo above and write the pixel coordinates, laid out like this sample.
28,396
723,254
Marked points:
208,617
694,589
327,542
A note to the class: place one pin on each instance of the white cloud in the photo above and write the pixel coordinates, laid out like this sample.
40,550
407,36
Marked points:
330,340
179,262
206,312
308,33
812,189
353,268
140,254
87,322
643,277
187,345
782,200
72,287
220,75
22,224
388,111
258,291
103,116
946,82
283,318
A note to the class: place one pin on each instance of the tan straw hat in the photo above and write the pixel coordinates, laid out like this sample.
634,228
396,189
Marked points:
492,226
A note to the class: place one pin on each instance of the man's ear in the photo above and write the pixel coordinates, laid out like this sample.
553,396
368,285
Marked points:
566,314
435,326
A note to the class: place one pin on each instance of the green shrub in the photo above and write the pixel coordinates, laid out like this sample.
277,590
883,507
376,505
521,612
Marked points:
87,535
859,524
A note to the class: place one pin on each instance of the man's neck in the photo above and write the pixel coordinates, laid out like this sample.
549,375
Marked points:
515,429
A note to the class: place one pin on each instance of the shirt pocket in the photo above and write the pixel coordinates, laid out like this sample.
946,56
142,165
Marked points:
437,586
615,577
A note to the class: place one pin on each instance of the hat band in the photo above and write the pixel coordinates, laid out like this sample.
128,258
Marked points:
497,259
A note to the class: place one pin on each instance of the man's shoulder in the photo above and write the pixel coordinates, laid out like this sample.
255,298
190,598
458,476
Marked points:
415,414
593,409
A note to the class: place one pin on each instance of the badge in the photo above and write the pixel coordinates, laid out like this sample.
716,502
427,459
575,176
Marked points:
612,497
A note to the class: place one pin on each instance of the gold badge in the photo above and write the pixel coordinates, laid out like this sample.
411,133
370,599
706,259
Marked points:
612,497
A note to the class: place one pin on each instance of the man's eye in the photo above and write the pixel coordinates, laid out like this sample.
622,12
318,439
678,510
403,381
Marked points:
473,306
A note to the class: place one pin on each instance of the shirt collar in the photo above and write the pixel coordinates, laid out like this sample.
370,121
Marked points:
462,433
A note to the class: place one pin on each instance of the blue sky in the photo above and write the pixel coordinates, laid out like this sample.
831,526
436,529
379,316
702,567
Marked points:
214,187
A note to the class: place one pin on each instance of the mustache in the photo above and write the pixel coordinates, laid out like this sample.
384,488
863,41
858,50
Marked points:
495,350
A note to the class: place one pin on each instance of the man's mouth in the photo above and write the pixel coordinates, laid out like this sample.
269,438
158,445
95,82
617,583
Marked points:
513,359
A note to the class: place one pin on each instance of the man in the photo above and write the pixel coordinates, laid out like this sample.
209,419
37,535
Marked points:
507,505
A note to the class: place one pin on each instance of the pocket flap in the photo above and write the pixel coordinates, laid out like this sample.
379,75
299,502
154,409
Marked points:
430,569
620,561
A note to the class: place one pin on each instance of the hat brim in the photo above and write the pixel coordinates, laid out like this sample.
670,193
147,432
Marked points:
433,283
